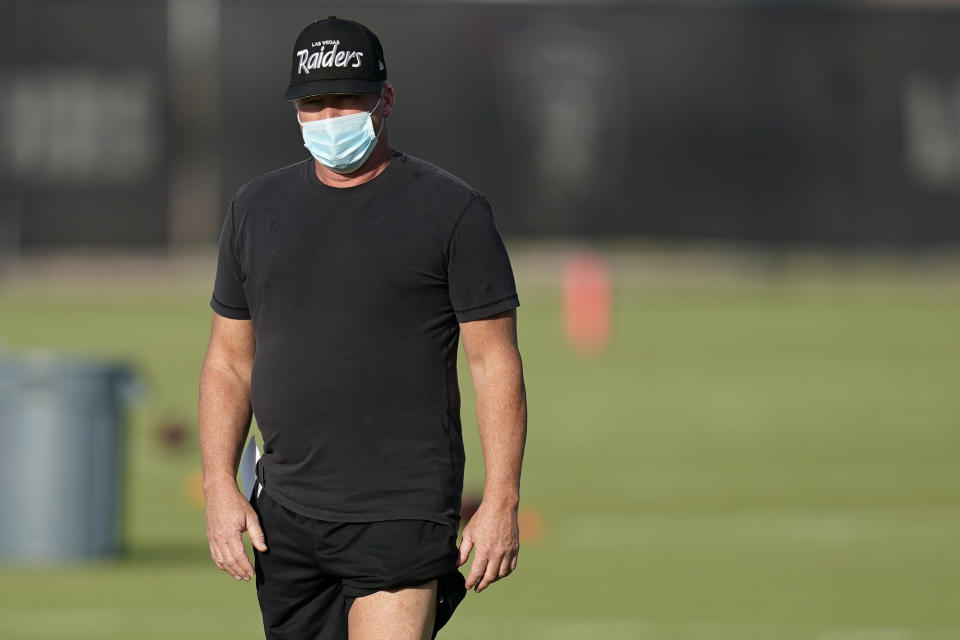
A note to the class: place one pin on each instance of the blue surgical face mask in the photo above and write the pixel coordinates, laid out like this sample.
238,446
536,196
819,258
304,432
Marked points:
343,143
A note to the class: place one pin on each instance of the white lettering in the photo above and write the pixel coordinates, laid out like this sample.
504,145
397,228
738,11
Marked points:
327,59
323,59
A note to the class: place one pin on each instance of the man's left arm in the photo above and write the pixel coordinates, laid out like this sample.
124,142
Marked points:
497,372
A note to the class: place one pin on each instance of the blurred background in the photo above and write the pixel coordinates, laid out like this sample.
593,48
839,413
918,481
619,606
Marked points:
735,228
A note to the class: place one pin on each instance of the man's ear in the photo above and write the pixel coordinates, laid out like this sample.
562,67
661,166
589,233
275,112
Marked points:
388,100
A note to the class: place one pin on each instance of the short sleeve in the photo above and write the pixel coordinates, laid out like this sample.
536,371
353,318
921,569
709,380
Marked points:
479,275
229,299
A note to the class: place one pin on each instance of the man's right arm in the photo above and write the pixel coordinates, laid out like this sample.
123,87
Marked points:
224,422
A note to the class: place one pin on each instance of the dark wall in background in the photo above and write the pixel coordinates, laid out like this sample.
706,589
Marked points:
82,123
777,125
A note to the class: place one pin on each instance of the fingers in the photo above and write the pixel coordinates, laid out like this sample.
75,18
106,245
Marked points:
505,567
256,533
466,545
479,564
485,571
493,541
226,543
477,570
229,555
490,574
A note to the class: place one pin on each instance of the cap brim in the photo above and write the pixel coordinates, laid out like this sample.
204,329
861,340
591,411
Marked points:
320,87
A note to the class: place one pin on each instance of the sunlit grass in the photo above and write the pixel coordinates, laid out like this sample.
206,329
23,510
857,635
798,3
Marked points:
763,459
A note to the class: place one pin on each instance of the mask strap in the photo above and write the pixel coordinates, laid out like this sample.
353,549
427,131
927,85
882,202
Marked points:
379,98
383,120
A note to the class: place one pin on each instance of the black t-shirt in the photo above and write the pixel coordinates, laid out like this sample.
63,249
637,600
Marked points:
355,296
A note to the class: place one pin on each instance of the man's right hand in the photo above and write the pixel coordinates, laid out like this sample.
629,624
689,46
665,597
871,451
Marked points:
229,514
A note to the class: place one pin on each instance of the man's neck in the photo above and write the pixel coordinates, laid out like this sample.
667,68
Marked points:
374,166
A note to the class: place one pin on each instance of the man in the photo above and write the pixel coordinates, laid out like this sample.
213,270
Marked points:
343,284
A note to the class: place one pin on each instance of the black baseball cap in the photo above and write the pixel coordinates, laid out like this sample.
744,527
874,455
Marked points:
336,56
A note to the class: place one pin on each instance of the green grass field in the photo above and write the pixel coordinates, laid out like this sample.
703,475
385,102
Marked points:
764,456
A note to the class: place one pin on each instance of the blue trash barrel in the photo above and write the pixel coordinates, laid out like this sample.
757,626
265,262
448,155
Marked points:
62,457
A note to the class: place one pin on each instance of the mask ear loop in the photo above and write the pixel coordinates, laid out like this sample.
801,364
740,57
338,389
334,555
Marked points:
379,98
383,121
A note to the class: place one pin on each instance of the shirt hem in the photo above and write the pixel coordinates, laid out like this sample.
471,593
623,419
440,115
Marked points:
233,313
489,309
376,516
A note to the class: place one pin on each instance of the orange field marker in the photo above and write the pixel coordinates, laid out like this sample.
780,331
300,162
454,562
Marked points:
587,303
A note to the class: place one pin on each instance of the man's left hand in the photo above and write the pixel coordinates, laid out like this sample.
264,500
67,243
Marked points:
493,532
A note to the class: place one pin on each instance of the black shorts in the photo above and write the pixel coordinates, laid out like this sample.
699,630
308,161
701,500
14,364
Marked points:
314,569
